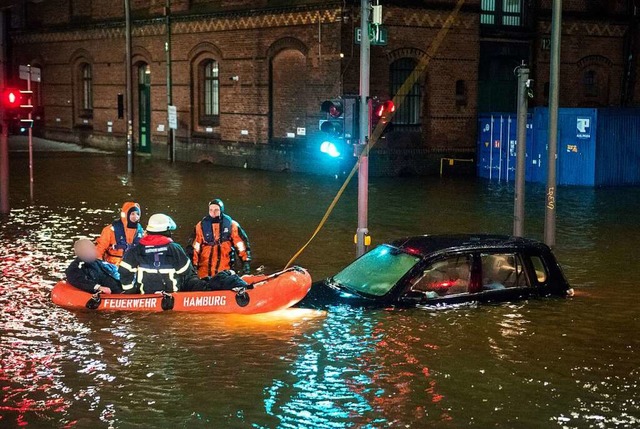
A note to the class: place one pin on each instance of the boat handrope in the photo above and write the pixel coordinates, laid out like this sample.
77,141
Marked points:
167,301
399,98
94,301
275,275
242,297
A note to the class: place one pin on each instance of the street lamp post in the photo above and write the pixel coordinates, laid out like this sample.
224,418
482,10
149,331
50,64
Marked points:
518,214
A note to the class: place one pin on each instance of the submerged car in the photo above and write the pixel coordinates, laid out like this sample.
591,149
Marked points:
434,270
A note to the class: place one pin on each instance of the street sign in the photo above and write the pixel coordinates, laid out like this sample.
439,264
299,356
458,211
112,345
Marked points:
172,117
27,72
378,35
35,74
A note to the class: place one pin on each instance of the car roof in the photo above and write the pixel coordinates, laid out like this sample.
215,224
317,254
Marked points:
428,244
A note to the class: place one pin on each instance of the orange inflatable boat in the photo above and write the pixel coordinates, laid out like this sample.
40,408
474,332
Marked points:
270,293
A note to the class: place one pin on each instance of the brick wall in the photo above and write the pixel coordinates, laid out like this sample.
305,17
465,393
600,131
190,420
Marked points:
287,60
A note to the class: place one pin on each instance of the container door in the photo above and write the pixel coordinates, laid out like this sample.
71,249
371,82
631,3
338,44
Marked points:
484,146
538,160
498,148
576,146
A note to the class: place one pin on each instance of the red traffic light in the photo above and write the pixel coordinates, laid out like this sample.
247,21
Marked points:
11,98
334,108
384,108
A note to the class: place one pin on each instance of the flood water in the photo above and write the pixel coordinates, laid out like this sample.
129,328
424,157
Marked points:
543,363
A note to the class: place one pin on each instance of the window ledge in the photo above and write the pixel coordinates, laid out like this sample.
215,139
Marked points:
209,121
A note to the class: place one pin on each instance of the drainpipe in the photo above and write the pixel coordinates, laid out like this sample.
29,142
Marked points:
171,142
128,66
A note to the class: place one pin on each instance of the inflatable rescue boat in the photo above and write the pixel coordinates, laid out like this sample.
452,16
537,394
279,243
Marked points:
269,293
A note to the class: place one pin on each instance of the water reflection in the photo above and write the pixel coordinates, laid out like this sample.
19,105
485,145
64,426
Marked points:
534,364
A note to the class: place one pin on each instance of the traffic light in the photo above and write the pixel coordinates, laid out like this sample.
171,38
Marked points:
339,127
17,107
11,100
334,124
381,112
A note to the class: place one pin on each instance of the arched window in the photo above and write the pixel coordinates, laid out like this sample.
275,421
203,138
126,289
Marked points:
87,88
210,92
409,111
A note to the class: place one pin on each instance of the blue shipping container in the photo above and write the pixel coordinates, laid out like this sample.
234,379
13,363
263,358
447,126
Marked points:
596,147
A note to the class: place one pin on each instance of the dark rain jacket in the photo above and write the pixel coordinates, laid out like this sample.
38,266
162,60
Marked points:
157,264
88,275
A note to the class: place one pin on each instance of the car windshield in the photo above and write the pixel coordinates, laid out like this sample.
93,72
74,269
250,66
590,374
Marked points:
376,272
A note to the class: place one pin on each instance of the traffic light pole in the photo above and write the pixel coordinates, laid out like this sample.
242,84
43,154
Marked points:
30,134
4,169
4,133
362,233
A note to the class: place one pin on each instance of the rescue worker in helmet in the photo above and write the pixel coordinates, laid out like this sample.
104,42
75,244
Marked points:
157,264
218,240
121,235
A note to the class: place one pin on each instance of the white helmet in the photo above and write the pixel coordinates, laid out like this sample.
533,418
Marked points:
160,223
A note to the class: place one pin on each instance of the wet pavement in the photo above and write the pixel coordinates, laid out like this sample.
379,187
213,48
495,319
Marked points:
542,363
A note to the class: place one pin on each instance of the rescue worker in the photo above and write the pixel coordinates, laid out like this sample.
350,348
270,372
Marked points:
218,240
121,235
158,264
90,274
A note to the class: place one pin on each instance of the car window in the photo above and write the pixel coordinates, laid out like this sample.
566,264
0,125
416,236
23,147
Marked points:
377,272
541,269
449,276
502,271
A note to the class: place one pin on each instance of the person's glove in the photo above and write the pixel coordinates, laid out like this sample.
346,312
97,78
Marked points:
246,268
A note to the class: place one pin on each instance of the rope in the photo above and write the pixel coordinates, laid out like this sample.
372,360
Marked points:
399,98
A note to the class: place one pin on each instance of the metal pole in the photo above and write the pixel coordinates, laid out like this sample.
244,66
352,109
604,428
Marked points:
554,89
518,211
362,232
128,66
167,48
30,134
4,144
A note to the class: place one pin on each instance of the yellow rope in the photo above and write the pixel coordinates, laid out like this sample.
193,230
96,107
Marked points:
377,132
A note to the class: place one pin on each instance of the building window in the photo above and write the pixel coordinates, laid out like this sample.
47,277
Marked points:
590,83
501,12
461,93
408,112
86,77
210,92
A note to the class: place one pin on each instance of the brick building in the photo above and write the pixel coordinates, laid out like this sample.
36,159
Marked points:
249,75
